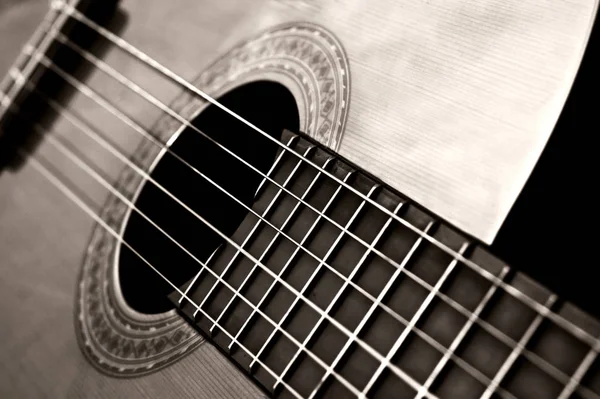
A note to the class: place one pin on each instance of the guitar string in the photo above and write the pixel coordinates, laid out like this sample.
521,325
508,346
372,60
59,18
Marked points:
69,193
121,43
460,362
540,362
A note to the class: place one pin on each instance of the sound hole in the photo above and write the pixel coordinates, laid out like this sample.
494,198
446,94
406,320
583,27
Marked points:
268,105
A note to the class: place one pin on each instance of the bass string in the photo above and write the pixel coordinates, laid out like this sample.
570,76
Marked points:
593,342
78,123
536,359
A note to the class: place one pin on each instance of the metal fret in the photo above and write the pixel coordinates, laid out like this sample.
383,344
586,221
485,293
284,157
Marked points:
340,291
247,238
240,345
308,234
279,157
387,360
207,262
516,352
375,304
586,363
461,335
266,294
266,251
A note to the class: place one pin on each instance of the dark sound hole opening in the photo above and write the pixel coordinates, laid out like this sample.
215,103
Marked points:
268,105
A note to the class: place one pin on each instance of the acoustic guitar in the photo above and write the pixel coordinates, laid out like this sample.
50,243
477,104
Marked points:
298,198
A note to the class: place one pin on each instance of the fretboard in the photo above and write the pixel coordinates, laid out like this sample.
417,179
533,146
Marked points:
347,300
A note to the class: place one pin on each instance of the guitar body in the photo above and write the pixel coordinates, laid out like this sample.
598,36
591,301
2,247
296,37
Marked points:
370,80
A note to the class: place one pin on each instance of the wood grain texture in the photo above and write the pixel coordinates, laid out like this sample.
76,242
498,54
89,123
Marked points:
451,103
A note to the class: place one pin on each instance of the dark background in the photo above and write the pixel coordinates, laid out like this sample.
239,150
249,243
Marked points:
551,231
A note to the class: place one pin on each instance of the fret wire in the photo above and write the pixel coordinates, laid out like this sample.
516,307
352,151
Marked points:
86,208
249,234
375,304
207,262
102,181
135,52
461,335
575,380
534,358
283,269
264,253
243,243
413,322
337,295
508,289
272,168
290,260
516,351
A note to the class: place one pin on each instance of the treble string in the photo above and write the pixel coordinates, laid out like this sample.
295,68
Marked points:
592,341
501,336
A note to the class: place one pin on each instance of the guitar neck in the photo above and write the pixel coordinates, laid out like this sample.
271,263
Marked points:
347,299
26,69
